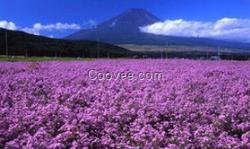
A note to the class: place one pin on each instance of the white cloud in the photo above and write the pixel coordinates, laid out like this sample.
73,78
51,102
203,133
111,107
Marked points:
51,36
31,31
38,27
8,25
57,26
225,28
89,24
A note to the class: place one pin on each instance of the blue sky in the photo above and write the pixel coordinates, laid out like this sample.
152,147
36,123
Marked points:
26,13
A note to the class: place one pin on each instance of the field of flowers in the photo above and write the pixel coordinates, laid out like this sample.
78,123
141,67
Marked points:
198,104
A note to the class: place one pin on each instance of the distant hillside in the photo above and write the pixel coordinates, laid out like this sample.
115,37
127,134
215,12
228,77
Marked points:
23,44
124,29
20,43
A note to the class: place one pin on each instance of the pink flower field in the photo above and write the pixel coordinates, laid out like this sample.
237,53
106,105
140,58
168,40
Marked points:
56,105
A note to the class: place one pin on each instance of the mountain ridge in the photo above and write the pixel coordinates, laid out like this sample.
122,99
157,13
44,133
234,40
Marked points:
124,29
21,43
